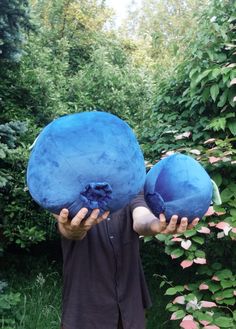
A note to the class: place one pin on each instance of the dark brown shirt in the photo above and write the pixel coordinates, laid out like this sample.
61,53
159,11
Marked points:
103,275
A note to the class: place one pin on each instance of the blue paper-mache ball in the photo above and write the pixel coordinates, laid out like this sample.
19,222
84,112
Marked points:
88,159
178,185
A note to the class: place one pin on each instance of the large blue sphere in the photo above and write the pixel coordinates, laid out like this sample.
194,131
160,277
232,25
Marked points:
178,185
89,159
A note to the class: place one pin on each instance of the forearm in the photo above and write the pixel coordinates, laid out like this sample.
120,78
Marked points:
144,222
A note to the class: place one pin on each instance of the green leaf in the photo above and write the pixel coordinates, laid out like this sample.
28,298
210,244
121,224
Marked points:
213,287
148,238
200,254
223,322
190,297
234,315
217,178
214,91
223,99
198,239
224,274
202,316
173,308
226,194
229,301
162,284
174,290
216,194
226,284
178,252
232,126
199,77
190,233
161,237
179,314
171,291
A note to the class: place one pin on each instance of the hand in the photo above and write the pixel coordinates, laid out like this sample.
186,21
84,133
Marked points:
172,227
77,228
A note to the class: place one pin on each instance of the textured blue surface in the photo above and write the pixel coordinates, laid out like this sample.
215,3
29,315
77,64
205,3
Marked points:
178,185
89,159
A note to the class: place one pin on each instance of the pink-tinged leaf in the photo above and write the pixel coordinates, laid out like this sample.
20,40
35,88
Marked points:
186,134
179,300
204,230
207,304
226,159
210,211
211,140
169,153
197,152
219,298
188,324
231,65
186,244
199,260
220,213
214,159
224,226
204,322
203,286
212,327
215,278
186,263
188,317
173,316
233,162
220,235
234,229
186,287
176,239
174,256
233,82
234,292
211,224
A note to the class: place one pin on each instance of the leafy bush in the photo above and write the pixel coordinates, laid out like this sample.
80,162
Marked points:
195,114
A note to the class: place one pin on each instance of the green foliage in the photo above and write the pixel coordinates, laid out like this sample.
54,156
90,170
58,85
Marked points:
69,64
37,277
9,302
14,19
195,114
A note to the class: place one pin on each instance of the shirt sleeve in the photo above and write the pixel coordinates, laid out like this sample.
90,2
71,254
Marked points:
138,201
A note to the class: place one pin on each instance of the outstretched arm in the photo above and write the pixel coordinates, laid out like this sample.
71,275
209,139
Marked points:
145,223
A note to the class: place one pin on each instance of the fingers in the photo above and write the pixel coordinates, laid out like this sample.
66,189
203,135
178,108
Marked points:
183,225
171,228
104,216
76,221
162,222
194,223
63,216
92,219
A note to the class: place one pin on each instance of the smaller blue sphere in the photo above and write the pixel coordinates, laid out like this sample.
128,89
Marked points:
178,185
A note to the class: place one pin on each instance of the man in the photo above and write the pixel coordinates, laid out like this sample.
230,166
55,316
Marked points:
104,284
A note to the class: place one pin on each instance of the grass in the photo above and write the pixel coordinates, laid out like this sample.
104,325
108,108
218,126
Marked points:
38,279
39,282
